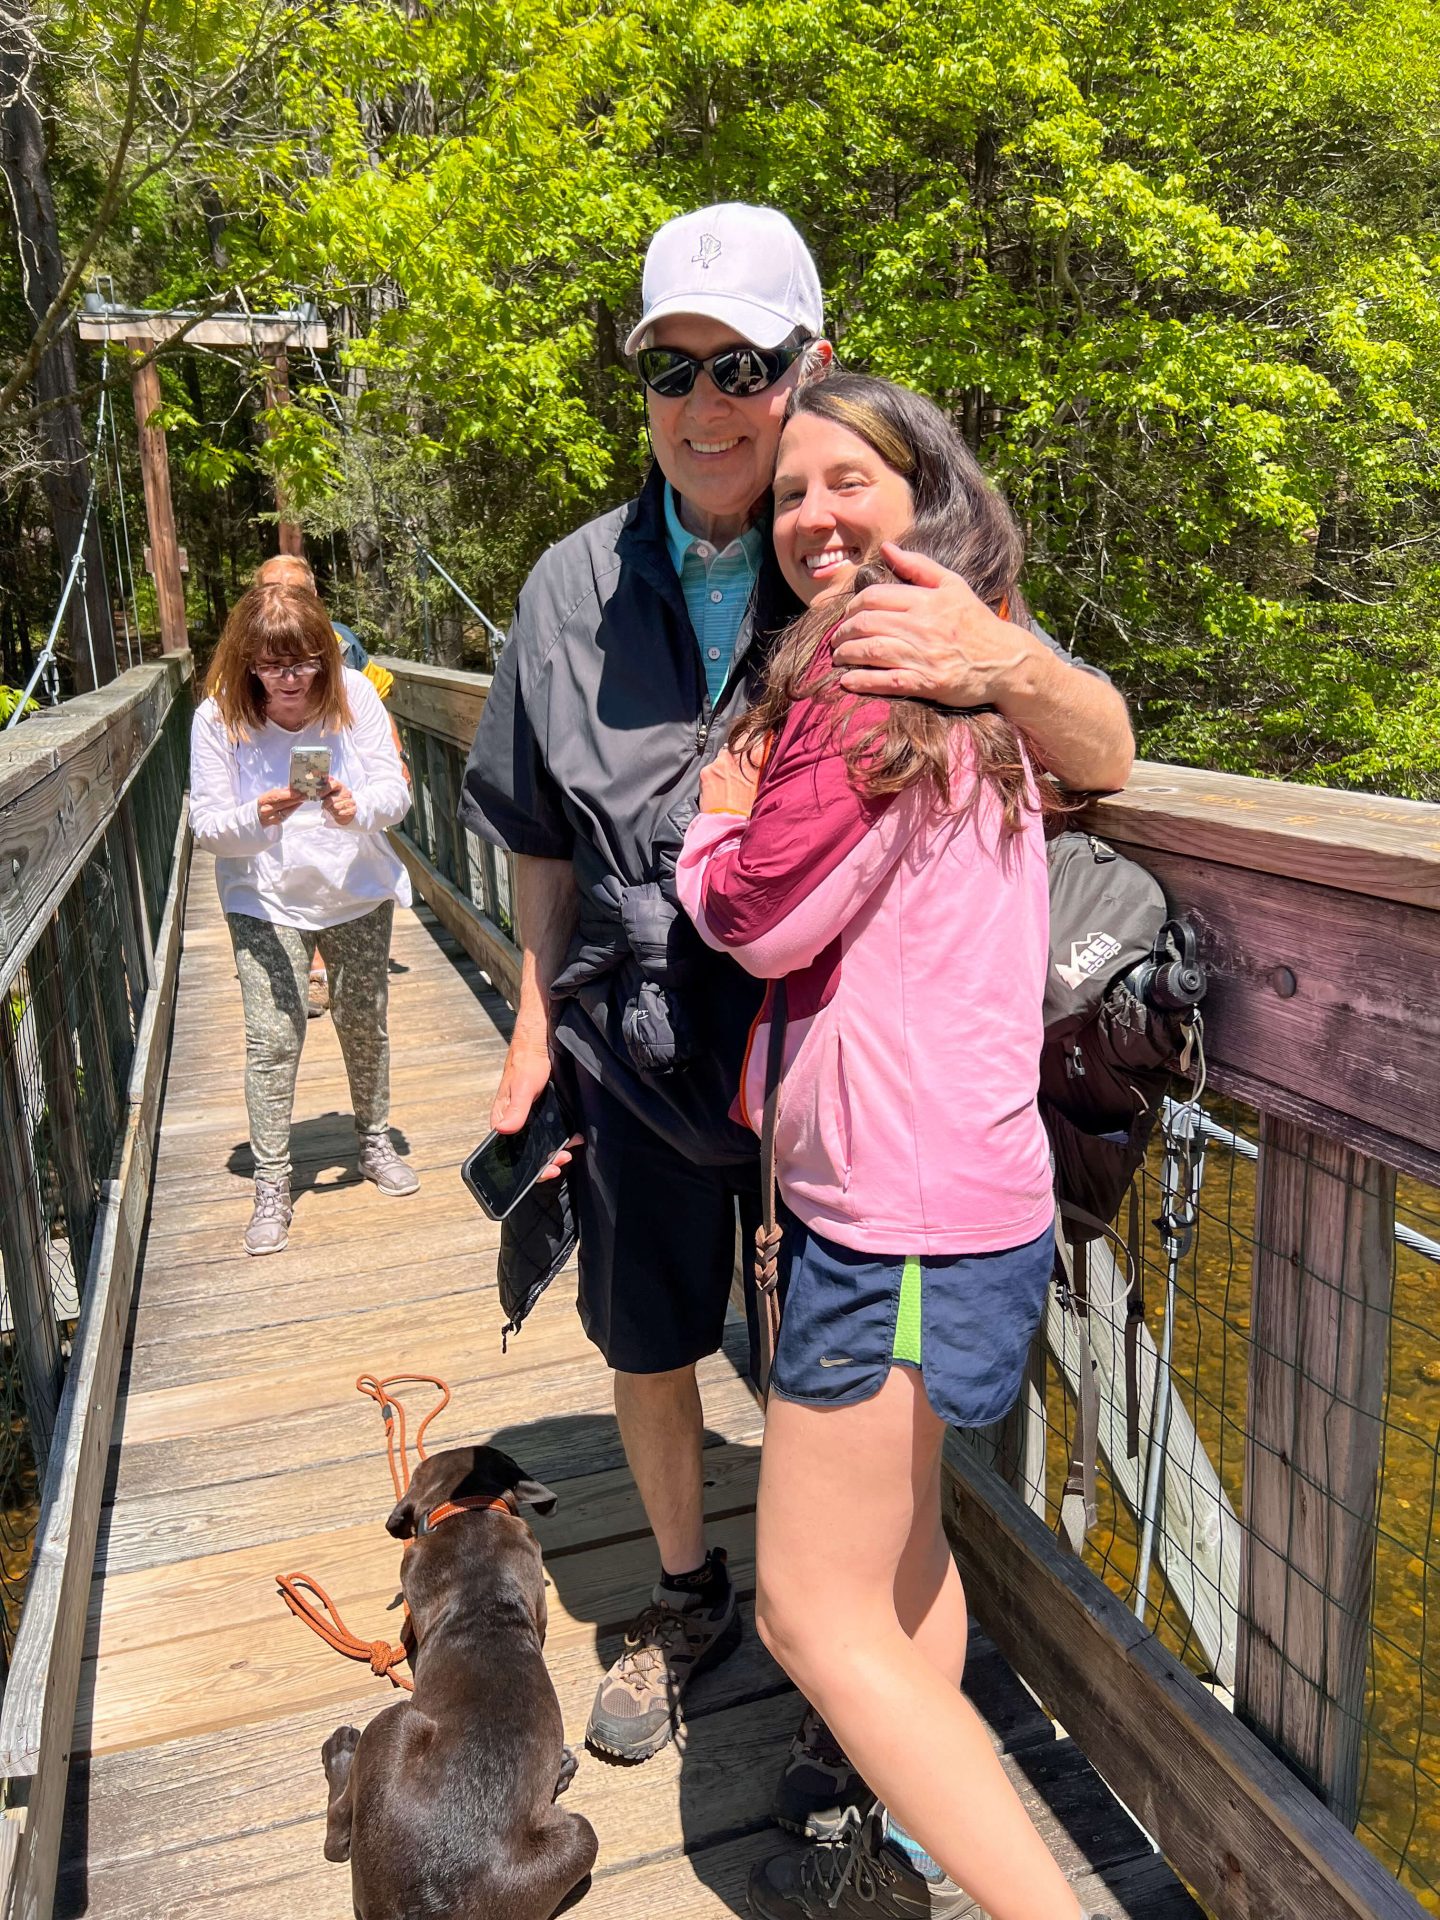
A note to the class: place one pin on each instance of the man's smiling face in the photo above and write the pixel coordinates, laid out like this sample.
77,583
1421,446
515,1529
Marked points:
717,451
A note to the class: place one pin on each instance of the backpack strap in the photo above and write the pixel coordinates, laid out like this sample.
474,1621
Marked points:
1077,1500
769,1233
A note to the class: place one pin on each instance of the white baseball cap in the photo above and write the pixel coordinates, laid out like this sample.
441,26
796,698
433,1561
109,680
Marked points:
744,266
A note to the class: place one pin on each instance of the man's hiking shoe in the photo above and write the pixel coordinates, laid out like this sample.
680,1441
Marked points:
637,1706
269,1228
860,1875
381,1164
818,1786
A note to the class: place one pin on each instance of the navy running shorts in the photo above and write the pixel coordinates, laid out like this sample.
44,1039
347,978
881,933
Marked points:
965,1321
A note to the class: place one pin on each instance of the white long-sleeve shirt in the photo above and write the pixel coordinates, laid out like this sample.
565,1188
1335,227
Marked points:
309,872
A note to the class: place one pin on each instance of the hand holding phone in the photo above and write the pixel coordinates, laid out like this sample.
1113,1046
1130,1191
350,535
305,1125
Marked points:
505,1166
310,771
276,806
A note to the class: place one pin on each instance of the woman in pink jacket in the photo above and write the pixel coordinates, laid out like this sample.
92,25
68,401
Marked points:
889,868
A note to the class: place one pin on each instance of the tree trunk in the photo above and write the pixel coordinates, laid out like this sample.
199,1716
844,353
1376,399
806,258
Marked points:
66,477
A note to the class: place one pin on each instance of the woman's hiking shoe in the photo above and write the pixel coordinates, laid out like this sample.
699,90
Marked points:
680,1634
860,1875
818,1786
380,1163
269,1228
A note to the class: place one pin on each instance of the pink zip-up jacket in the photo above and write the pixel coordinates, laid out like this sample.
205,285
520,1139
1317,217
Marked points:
914,954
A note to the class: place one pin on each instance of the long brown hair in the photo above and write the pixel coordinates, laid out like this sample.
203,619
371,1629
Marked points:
961,522
288,624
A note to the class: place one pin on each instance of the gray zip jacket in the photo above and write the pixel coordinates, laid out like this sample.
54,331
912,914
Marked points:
589,749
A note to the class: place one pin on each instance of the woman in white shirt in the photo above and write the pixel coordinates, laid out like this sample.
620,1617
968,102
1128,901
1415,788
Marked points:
296,875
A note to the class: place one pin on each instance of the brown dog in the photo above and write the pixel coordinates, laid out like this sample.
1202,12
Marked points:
445,1804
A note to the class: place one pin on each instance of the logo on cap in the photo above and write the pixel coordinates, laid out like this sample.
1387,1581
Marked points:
709,250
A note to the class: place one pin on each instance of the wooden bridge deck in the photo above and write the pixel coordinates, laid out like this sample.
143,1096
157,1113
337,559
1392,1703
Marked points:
241,1450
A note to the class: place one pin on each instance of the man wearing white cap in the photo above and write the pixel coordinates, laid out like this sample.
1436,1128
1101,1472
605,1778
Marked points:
637,642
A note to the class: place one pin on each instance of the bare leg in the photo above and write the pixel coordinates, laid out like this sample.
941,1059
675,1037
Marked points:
832,1477
929,1598
663,1429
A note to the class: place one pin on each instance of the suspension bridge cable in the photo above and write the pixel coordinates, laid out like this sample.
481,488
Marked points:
76,573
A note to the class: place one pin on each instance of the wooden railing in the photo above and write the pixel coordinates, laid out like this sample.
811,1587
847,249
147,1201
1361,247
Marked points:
94,848
1319,918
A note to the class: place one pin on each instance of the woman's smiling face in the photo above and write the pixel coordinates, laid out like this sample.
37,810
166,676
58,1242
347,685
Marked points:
835,502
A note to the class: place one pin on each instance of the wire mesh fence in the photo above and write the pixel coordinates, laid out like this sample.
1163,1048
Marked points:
1293,1550
67,1039
481,872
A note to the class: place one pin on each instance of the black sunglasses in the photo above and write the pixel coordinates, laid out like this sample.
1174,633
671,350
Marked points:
735,370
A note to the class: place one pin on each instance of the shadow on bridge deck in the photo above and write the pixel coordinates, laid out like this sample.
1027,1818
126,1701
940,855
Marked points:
241,1450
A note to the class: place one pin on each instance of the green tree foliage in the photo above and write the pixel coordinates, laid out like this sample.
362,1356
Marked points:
1174,267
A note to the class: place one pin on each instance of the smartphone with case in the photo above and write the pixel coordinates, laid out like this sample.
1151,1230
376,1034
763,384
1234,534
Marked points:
310,771
504,1167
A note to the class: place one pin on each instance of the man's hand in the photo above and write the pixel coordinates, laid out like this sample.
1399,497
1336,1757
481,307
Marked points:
928,636
728,784
525,1077
339,803
278,804
546,905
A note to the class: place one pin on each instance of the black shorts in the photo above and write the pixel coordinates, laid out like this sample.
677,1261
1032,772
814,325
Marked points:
657,1237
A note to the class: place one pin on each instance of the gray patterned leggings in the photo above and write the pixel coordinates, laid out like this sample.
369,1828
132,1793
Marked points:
274,964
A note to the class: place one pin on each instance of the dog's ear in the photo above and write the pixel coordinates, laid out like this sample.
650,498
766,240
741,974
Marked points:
532,1493
401,1523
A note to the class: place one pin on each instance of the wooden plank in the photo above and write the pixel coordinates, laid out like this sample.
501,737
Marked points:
476,932
1369,844
159,507
1250,1839
199,1682
439,700
150,1530
144,327
1320,1344
58,795
137,1801
510,1421
1323,993
40,1694
657,1826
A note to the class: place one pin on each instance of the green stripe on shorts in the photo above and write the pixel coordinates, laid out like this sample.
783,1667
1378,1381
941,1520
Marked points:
907,1319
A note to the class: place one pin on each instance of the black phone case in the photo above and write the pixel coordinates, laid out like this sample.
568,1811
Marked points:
544,1133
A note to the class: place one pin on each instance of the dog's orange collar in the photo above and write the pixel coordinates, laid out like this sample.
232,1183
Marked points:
468,1503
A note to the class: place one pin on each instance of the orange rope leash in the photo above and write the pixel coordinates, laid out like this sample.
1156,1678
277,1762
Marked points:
294,1587
397,1450
383,1658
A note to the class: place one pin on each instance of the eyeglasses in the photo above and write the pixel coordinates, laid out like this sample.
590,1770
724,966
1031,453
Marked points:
288,670
738,371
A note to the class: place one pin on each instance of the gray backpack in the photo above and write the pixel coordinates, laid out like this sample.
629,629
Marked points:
1121,999
1120,995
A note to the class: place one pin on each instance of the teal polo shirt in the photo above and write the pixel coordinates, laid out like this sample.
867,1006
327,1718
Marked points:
717,584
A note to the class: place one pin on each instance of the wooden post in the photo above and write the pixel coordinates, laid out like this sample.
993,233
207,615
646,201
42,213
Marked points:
1324,1262
277,394
159,508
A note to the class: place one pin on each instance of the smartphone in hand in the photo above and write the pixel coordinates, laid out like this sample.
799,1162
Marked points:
310,771
504,1167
